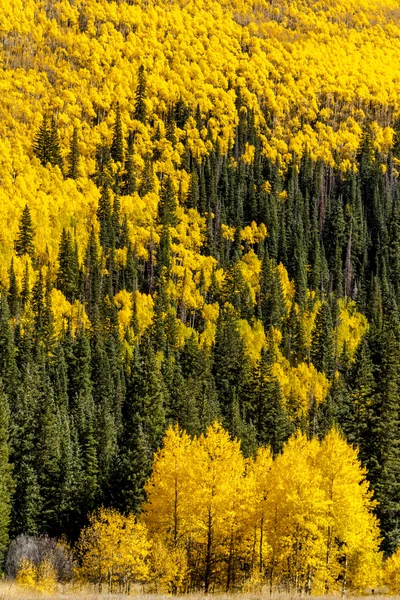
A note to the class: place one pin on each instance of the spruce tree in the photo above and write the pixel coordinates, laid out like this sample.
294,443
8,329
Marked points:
272,424
322,345
24,242
132,466
42,143
129,176
74,155
14,301
6,482
67,276
117,145
55,151
104,214
140,112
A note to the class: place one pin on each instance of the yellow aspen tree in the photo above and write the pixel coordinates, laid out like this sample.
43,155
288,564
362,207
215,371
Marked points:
114,550
351,531
169,510
295,506
219,469
259,481
391,573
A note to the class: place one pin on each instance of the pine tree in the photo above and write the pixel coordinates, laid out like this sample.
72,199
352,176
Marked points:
42,144
67,276
140,112
384,451
13,296
322,346
25,292
146,388
129,176
272,424
26,508
6,482
133,466
55,151
92,280
24,242
117,146
74,155
167,205
229,362
48,455
104,214
8,365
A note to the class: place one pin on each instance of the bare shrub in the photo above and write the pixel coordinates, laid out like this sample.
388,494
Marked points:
37,550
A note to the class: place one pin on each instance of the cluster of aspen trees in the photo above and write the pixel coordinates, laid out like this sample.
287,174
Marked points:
215,520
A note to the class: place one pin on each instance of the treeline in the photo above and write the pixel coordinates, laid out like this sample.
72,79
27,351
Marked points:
215,521
103,349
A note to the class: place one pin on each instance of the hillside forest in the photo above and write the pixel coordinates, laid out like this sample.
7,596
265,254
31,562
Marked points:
200,292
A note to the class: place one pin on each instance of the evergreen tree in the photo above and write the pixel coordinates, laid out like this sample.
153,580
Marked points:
6,482
132,468
272,424
322,345
73,159
104,214
42,144
117,146
68,273
13,296
129,176
24,242
140,106
55,151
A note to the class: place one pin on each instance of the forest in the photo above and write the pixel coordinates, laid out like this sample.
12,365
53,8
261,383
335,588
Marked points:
200,294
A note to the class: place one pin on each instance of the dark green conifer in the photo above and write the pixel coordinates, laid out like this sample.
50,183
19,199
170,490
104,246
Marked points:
67,276
117,146
104,214
140,112
6,482
13,296
322,345
74,155
24,242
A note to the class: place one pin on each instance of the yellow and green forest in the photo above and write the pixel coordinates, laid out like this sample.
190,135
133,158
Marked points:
200,292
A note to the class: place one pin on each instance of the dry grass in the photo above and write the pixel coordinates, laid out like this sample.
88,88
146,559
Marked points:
10,591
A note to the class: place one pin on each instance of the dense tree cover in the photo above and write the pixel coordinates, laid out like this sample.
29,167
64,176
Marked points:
302,521
199,220
215,520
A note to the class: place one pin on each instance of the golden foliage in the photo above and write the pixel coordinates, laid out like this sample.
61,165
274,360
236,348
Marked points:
114,549
304,519
41,578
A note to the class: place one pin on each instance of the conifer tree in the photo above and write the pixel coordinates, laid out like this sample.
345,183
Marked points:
24,242
272,424
322,347
73,159
117,146
6,482
104,214
67,276
140,112
129,176
13,296
133,466
42,144
55,151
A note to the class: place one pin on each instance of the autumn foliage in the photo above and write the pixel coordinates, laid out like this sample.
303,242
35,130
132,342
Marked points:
302,521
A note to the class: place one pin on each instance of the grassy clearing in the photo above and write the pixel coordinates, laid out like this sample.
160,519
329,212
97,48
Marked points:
10,591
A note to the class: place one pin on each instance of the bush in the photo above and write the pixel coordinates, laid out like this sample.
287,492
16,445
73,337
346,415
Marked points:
39,552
